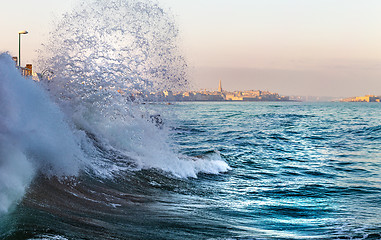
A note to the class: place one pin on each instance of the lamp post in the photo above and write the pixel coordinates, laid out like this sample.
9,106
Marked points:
21,32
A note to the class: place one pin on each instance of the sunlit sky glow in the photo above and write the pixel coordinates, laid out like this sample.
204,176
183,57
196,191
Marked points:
294,47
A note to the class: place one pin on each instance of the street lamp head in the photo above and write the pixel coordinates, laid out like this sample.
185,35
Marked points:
21,32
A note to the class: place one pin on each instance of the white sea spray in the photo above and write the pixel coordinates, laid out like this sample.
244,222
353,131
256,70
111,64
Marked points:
82,118
103,52
34,135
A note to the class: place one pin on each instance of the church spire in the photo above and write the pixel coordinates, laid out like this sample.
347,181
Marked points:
220,87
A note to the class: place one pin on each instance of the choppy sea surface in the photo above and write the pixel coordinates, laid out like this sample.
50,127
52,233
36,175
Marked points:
297,171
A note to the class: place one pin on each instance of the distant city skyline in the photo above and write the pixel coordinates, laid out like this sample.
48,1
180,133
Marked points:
293,47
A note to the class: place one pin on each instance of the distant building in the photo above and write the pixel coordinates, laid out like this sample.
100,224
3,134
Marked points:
366,98
15,59
168,94
220,87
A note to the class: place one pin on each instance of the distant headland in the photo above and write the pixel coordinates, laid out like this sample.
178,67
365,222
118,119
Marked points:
219,95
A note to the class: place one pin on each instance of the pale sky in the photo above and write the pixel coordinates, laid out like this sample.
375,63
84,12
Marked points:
293,47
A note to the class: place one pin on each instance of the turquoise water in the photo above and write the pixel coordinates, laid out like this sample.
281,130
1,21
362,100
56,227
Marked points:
298,171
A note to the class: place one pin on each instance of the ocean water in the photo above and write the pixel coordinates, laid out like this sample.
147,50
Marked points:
80,160
299,170
295,171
